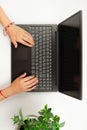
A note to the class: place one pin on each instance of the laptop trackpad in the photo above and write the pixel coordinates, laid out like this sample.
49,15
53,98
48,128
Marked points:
21,61
20,53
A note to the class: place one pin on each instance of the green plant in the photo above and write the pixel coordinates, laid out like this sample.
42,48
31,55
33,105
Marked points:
46,120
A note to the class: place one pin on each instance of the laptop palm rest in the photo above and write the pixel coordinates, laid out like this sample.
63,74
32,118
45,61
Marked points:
21,60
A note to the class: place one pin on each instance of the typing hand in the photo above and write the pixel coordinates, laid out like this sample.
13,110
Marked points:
17,34
23,84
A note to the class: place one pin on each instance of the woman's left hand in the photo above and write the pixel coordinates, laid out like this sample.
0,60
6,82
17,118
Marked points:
19,35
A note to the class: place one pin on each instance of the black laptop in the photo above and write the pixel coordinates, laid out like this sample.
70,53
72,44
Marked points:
56,57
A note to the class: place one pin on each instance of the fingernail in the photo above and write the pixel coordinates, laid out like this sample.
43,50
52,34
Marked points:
15,45
30,45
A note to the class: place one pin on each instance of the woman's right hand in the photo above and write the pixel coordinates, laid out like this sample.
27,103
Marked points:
24,84
21,84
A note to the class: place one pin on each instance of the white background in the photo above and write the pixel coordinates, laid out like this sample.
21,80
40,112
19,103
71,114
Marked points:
72,111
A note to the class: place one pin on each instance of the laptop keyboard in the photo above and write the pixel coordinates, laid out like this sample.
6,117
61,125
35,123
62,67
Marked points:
42,56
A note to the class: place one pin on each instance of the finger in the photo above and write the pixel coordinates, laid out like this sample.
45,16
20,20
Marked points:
32,82
25,43
29,35
30,89
23,75
15,44
28,40
28,78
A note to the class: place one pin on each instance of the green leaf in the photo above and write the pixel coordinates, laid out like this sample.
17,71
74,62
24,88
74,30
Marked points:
40,118
56,118
62,124
46,107
41,112
49,109
21,115
15,119
26,129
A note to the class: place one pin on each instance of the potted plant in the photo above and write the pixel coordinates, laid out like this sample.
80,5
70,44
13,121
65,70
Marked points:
46,120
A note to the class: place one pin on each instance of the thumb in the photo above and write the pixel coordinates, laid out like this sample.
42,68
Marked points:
15,44
23,75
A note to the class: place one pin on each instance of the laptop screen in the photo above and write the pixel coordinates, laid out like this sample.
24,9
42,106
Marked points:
70,56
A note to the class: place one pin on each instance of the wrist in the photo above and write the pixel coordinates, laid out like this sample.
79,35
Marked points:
2,96
7,28
6,23
7,92
9,25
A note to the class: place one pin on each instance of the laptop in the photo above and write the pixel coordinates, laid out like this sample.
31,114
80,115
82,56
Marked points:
50,59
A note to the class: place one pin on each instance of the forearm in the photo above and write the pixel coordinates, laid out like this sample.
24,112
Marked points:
4,20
